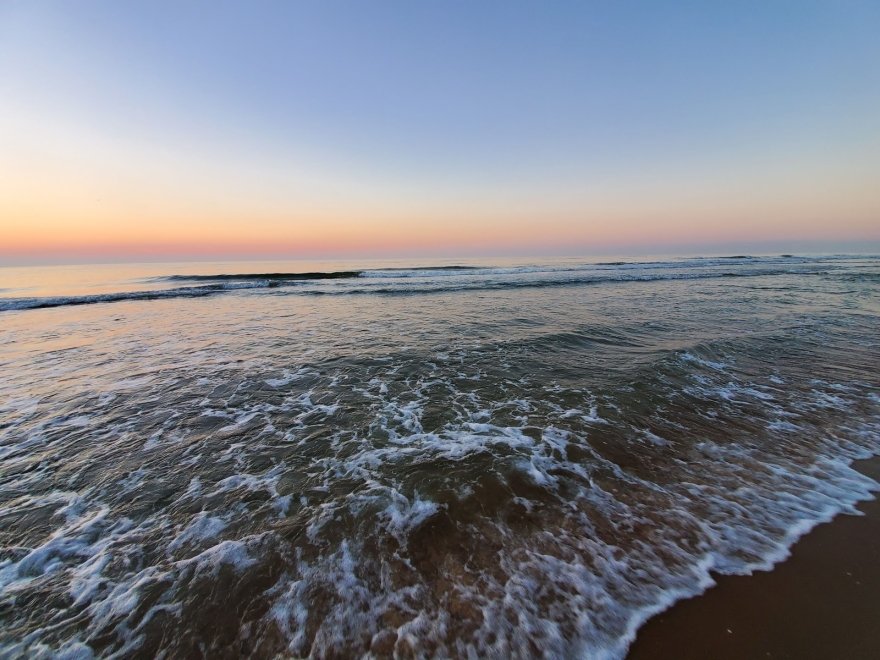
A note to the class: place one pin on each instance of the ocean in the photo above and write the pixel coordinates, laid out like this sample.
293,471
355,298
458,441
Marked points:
430,458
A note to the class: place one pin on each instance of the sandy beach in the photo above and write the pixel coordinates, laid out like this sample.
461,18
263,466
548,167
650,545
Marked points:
823,602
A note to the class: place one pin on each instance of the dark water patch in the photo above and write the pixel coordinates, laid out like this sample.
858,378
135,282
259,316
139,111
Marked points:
432,268
725,258
270,277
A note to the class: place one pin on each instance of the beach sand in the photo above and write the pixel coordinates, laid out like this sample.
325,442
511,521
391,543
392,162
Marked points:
822,602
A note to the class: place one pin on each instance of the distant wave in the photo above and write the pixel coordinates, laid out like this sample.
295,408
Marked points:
603,266
463,270
437,268
271,277
484,285
430,279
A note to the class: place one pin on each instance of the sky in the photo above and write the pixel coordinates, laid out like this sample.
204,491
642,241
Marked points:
150,130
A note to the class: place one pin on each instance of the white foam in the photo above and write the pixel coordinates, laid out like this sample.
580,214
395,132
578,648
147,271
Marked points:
226,553
200,528
690,357
403,515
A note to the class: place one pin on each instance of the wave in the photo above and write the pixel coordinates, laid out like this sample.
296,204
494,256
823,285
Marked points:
488,285
491,279
440,268
271,277
602,266
464,270
859,277
15,304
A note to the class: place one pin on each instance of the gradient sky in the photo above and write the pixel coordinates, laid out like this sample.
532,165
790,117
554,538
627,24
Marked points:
195,129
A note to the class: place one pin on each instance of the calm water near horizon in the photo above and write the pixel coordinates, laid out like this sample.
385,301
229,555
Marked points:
430,458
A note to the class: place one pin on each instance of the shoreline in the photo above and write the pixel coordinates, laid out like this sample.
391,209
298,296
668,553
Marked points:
821,602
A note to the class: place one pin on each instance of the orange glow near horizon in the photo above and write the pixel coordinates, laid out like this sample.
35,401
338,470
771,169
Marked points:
54,210
83,195
322,238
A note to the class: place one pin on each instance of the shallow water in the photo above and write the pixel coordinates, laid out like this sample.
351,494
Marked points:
508,459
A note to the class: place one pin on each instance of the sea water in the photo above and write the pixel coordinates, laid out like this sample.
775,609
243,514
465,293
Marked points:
478,458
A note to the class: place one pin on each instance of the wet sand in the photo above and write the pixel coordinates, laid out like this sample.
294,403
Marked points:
823,602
